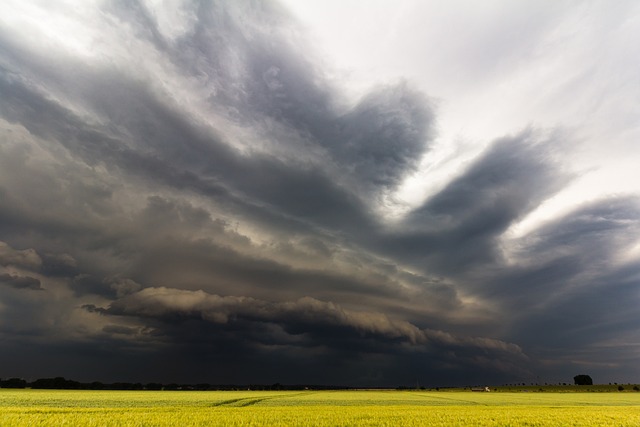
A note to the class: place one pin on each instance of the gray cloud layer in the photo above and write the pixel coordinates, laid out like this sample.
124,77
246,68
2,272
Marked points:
20,282
206,197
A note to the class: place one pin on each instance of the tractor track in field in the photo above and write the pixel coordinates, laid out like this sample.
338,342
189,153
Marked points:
249,401
455,400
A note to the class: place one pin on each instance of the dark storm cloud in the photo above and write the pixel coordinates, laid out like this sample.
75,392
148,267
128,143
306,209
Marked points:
460,225
110,287
117,329
383,137
569,289
306,325
59,265
508,180
94,145
204,196
594,232
20,282
244,56
572,254
181,155
26,258
84,284
576,268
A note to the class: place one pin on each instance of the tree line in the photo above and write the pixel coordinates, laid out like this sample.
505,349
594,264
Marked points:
60,383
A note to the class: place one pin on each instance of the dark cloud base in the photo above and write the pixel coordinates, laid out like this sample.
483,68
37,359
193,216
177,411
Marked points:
203,206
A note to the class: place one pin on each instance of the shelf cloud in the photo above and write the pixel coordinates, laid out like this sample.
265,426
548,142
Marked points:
190,192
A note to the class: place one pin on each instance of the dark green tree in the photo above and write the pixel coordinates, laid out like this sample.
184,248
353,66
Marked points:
13,383
153,386
582,380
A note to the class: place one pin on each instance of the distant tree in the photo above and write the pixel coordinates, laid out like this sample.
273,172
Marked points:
582,380
620,388
635,387
55,383
13,383
125,386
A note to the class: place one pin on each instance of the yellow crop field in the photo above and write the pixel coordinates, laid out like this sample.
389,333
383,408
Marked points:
315,408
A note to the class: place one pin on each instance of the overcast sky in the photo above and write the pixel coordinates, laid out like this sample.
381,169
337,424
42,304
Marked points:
337,192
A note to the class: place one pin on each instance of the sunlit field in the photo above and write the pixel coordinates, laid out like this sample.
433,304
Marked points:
315,408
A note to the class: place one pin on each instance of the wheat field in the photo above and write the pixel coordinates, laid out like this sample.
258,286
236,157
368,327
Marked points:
315,408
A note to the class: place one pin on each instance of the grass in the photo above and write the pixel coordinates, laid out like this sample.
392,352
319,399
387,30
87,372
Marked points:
315,408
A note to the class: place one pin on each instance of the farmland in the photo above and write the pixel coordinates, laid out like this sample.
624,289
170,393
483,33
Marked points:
319,408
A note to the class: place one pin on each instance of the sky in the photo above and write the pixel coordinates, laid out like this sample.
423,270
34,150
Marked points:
354,193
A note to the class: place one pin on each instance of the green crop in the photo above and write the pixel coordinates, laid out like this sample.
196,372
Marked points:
315,408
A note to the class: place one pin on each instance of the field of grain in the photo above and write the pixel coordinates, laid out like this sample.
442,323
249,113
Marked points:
315,408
